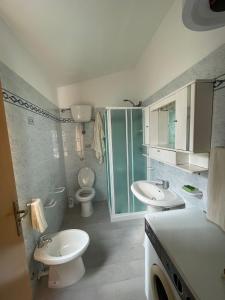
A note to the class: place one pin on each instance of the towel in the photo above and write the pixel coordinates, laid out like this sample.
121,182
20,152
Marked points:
37,216
98,139
216,187
79,141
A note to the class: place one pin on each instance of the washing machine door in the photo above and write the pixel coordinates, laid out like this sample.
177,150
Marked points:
161,286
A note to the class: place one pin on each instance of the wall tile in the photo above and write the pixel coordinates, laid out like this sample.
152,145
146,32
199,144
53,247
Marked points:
37,154
44,157
208,68
73,162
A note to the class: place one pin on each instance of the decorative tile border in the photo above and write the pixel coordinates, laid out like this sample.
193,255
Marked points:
67,120
16,100
27,105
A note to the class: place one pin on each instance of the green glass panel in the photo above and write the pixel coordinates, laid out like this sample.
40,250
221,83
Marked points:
118,124
107,161
130,158
139,163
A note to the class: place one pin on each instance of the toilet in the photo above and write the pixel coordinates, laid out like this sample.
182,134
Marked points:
86,193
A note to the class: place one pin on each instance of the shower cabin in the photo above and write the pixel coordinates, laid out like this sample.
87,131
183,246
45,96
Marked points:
125,160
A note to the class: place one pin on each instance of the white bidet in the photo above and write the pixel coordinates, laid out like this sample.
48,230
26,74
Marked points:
62,253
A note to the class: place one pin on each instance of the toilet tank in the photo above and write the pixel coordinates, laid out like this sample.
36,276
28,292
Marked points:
81,113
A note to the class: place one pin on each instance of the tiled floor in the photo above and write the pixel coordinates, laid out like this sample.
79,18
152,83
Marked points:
114,259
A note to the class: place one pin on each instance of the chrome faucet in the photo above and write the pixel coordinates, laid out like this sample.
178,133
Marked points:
43,240
164,183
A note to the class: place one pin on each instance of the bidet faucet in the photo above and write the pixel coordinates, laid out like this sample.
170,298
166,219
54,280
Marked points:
164,183
44,239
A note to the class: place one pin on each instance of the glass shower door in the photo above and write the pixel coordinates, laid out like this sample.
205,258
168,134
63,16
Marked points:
120,163
107,162
138,161
124,160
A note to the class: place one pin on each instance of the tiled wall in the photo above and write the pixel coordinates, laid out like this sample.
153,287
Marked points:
73,162
37,153
210,67
39,143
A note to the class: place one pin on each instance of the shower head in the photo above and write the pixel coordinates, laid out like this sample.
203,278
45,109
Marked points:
132,103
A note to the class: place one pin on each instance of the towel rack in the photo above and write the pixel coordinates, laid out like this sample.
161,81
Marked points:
51,203
58,190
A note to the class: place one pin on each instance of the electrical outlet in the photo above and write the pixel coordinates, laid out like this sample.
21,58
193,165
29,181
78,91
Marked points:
30,121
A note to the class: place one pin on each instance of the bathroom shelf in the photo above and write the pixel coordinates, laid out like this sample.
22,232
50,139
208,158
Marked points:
164,147
185,161
191,168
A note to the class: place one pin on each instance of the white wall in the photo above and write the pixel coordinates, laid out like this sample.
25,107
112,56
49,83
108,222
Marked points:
104,91
172,50
18,59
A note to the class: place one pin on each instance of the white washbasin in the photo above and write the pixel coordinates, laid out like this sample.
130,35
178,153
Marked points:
154,195
65,246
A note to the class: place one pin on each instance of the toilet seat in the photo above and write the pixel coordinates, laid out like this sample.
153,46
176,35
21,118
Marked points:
85,194
86,177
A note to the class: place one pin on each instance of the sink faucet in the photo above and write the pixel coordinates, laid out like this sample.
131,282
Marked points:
164,183
44,239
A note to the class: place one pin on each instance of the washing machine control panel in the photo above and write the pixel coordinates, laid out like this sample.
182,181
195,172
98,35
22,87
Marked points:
180,285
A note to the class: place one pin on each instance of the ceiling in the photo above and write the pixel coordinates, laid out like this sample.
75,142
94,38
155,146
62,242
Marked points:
77,40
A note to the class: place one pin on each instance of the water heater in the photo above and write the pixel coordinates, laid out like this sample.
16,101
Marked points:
202,15
81,113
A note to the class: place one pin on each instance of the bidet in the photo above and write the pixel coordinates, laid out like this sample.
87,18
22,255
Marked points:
62,253
44,239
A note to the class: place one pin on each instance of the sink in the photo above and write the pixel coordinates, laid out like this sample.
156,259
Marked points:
154,195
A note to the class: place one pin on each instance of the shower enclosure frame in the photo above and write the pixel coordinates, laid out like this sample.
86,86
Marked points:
110,167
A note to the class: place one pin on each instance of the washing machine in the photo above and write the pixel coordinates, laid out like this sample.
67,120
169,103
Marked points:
162,280
158,285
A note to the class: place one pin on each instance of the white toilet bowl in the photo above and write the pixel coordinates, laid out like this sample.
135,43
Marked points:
63,256
86,193
85,196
